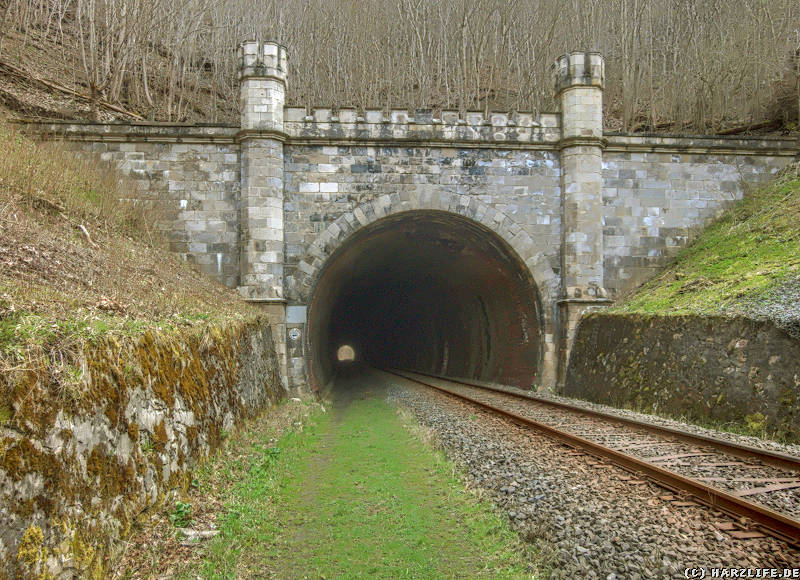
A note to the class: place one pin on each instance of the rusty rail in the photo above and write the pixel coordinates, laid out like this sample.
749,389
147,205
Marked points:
767,520
781,460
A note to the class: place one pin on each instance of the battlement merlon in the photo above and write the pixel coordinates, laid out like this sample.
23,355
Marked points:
579,69
540,129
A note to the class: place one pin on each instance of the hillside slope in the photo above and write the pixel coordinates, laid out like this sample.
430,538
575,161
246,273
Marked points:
121,368
746,263
76,264
715,338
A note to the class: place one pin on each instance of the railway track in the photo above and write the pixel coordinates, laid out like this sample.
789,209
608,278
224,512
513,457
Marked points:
760,489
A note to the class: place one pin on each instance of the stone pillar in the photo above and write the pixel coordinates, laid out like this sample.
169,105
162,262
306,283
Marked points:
579,89
262,77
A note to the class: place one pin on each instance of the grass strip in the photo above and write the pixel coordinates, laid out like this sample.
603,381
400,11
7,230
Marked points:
355,494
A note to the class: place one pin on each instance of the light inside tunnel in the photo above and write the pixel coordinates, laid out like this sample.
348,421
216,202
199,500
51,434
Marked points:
428,291
345,353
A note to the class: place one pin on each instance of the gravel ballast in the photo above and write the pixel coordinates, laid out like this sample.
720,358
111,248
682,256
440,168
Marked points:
597,520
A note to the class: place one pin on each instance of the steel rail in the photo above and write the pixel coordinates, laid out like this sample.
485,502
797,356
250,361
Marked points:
776,459
765,519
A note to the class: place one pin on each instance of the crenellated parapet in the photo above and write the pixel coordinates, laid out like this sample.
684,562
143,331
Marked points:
422,125
187,134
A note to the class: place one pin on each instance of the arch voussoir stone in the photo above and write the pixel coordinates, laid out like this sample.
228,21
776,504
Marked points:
532,256
310,267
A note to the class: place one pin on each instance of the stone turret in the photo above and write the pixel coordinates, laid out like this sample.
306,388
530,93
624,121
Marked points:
262,77
579,78
579,88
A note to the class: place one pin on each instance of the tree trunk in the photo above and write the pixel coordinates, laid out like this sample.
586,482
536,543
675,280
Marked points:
3,22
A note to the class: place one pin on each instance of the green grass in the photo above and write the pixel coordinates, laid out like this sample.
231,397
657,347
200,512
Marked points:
356,495
752,248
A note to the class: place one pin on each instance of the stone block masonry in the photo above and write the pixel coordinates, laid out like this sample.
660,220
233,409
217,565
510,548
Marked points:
262,220
656,198
190,176
521,184
707,369
262,206
262,77
263,71
74,477
579,87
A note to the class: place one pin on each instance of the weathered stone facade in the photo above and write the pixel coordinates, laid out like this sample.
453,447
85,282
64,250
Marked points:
657,192
728,370
74,475
263,206
378,182
189,175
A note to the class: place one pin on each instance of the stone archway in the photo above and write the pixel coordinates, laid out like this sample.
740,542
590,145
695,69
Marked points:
520,247
300,284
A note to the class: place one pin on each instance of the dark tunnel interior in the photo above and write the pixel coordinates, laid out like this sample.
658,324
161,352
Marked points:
428,291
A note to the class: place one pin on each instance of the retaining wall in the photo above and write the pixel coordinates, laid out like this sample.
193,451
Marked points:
77,467
726,370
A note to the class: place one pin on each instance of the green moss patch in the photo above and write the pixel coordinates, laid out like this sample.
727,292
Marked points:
736,263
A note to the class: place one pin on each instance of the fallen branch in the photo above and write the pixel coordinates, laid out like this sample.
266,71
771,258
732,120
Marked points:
193,537
41,202
86,234
55,86
751,127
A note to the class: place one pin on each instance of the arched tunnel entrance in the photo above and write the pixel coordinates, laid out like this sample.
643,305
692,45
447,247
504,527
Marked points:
429,291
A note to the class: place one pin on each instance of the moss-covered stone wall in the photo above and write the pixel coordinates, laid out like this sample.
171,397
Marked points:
78,464
735,371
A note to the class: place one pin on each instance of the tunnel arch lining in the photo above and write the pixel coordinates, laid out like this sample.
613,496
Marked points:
302,284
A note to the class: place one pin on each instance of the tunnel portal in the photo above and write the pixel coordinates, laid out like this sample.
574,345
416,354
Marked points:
428,291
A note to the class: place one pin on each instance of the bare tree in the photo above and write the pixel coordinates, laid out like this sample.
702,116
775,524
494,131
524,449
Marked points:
701,65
